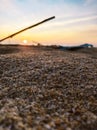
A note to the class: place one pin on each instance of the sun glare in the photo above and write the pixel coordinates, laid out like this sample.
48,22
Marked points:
25,41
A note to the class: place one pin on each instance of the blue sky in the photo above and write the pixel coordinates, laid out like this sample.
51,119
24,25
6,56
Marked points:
75,23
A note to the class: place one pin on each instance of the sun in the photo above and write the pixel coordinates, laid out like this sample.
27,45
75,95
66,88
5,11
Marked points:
25,41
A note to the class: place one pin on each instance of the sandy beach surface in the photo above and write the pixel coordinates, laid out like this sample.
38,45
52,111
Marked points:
48,89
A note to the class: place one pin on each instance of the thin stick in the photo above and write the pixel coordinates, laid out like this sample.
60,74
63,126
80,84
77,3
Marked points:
14,34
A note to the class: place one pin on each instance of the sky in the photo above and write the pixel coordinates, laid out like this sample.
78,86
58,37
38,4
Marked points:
75,22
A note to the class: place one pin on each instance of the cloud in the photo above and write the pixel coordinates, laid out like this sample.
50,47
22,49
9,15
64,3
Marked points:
83,19
6,6
73,21
89,1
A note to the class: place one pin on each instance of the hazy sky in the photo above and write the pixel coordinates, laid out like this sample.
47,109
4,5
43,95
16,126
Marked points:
75,23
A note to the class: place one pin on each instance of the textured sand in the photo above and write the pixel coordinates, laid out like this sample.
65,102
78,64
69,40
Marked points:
46,89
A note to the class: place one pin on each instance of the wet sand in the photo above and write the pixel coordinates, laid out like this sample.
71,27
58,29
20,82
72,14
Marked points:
48,89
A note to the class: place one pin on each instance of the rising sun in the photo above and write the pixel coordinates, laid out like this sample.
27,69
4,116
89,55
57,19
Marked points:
25,41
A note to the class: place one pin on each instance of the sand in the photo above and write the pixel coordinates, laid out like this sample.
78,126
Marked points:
48,89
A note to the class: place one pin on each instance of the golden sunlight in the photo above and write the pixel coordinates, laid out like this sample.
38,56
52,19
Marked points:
25,41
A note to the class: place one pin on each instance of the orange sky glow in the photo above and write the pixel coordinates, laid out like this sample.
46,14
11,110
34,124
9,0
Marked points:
75,22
